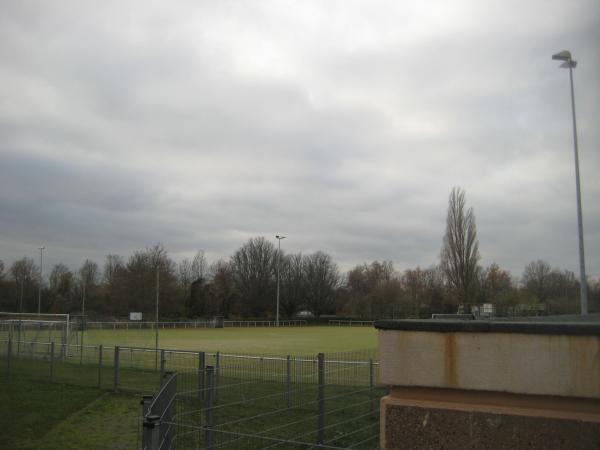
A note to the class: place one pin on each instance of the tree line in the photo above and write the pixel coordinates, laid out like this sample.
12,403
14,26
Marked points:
244,286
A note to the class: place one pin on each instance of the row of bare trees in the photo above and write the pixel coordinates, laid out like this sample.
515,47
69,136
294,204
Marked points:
245,285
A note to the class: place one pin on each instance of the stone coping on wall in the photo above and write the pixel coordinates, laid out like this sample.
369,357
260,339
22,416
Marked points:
485,326
498,403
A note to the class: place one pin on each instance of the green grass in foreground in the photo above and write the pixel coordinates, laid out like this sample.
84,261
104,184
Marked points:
49,416
257,341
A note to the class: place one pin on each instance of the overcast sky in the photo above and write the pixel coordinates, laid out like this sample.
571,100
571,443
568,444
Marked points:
340,124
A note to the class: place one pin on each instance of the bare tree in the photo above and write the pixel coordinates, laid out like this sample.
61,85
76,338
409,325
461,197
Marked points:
112,266
254,268
493,283
190,271
184,274
199,266
322,278
62,284
24,273
222,288
292,283
89,273
112,277
415,285
536,279
460,251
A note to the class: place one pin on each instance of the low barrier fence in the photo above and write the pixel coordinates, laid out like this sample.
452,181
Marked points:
193,324
350,323
140,369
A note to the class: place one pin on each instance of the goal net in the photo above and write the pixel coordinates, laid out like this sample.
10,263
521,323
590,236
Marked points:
33,328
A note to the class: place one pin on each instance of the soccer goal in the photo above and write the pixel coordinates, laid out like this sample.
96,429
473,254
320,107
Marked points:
33,328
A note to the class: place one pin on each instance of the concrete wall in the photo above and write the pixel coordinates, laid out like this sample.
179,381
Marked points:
541,364
488,385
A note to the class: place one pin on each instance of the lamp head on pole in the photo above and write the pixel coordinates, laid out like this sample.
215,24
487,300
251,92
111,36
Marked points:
277,236
565,56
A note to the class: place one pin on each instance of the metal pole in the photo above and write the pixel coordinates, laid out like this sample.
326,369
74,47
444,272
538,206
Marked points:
19,325
208,437
201,365
151,433
100,365
371,384
51,361
156,321
279,238
217,374
40,286
582,276
278,268
8,356
162,365
82,324
289,380
321,399
116,374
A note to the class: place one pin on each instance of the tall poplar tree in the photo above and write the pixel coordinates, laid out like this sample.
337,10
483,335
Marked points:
460,251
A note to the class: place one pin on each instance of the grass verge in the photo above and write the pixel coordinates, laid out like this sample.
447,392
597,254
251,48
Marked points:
52,416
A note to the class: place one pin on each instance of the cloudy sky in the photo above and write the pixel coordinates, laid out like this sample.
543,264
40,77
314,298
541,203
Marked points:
341,124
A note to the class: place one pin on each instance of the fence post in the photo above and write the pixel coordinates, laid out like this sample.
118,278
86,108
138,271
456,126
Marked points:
8,356
18,340
201,365
100,365
146,402
217,374
321,399
151,436
51,361
210,391
288,380
169,412
162,365
116,375
371,402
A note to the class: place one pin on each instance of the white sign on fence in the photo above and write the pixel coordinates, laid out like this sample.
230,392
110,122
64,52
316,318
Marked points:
135,316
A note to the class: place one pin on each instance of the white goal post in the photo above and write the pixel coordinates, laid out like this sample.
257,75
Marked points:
35,327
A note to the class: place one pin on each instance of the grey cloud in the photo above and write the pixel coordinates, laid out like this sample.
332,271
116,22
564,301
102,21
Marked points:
341,125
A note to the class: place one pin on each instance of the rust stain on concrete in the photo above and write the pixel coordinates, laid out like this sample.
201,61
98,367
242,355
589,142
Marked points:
450,355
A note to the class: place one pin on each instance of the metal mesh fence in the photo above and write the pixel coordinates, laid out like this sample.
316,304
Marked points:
238,402
224,400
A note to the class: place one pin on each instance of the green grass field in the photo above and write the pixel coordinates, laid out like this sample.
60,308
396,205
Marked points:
253,341
53,416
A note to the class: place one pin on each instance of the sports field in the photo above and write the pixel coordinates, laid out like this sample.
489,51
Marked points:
265,341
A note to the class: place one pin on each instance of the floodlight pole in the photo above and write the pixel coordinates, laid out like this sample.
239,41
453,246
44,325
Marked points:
82,318
41,249
279,238
156,319
570,64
